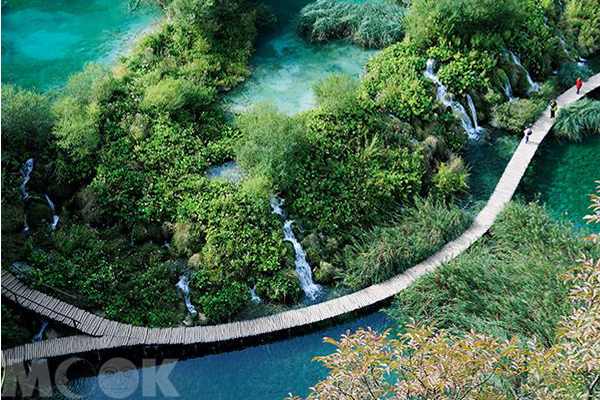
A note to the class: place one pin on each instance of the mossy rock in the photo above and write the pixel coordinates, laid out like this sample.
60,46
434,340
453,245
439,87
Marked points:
312,247
87,206
143,233
188,238
195,261
326,273
38,213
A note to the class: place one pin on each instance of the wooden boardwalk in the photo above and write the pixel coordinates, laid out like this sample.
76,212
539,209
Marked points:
100,333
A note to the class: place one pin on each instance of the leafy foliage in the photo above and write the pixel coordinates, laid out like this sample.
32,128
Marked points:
394,80
515,116
582,18
273,144
26,125
99,270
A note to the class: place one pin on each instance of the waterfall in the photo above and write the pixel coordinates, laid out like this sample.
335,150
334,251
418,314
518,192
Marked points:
508,89
26,172
302,268
446,99
184,288
533,86
54,216
581,62
473,113
254,297
40,335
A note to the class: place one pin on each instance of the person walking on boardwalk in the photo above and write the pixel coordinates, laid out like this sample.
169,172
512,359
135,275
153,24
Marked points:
579,84
527,132
553,108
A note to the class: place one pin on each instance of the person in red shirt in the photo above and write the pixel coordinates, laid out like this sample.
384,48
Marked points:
579,84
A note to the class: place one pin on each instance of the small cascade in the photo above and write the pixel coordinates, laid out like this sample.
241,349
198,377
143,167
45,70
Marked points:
446,99
40,335
473,113
581,62
183,286
303,270
254,297
533,86
55,217
26,172
508,90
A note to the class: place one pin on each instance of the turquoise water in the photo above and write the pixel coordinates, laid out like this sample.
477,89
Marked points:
270,371
562,176
43,42
285,66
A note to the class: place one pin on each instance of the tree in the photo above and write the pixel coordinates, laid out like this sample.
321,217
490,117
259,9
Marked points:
26,123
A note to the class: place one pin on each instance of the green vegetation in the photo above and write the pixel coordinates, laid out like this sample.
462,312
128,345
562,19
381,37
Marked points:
578,120
389,250
582,18
569,72
26,125
507,284
515,116
14,328
372,25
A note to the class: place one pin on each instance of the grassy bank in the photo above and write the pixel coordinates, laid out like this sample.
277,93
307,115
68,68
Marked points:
506,284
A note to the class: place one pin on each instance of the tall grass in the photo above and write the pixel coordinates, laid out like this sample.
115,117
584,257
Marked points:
506,284
578,120
372,25
390,250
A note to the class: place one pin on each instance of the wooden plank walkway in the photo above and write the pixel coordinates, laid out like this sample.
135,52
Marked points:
101,333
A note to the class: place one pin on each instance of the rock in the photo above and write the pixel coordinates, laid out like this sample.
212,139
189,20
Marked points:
326,273
85,201
195,261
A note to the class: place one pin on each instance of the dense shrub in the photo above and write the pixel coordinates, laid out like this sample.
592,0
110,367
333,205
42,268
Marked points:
357,169
582,18
578,120
272,144
367,24
430,22
569,72
390,250
449,180
336,91
101,271
463,71
394,80
515,116
506,284
26,125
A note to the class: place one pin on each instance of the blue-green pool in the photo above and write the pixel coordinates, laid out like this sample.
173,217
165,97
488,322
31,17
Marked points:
270,371
286,66
43,42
